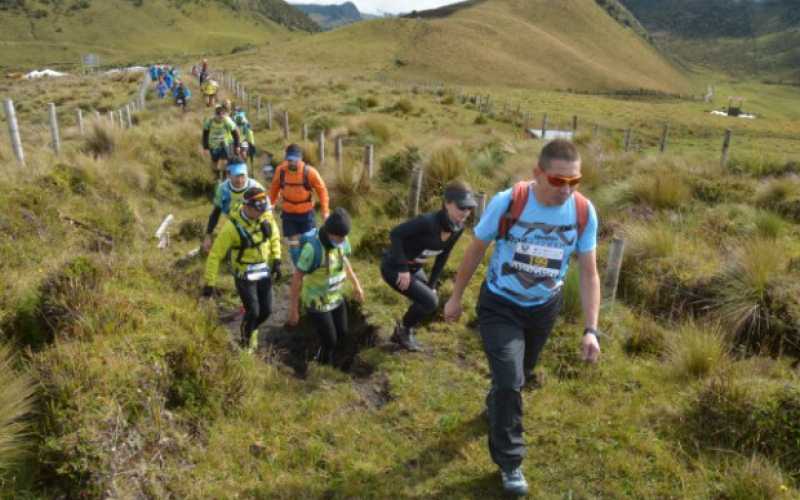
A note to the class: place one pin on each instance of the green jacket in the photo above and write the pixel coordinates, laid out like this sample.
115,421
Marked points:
322,287
264,251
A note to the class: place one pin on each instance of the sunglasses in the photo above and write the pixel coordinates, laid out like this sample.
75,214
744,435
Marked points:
261,206
558,182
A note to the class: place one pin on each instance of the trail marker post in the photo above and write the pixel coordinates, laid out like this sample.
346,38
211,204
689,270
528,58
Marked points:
54,132
613,269
13,131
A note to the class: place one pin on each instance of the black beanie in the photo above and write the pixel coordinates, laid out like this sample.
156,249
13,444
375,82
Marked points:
338,223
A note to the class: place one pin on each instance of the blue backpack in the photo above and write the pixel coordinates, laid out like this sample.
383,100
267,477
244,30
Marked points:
312,238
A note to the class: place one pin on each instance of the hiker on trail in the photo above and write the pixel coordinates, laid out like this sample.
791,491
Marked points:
169,79
228,196
182,94
536,228
251,237
153,73
203,71
219,135
414,242
248,145
295,181
210,89
161,88
320,273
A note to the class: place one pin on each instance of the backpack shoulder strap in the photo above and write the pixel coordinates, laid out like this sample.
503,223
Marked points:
581,212
282,173
306,181
519,198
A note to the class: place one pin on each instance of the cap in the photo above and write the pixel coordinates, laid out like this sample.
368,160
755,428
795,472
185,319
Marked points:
294,153
237,168
462,198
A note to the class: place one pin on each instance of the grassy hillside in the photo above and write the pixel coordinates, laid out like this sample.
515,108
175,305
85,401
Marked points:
141,394
571,44
120,31
740,37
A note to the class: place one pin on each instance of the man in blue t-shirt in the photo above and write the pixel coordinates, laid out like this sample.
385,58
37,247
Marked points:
522,293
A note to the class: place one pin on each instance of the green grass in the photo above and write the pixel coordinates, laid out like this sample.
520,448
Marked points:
139,364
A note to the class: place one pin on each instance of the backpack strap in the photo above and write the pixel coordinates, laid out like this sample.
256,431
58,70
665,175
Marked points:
306,182
581,212
282,176
519,198
245,239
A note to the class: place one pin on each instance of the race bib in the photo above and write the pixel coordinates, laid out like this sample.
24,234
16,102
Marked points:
538,260
335,282
257,272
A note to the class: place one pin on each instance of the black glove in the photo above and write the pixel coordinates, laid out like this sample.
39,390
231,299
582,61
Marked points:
208,291
276,270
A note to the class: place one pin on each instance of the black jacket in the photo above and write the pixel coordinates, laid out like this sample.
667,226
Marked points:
417,240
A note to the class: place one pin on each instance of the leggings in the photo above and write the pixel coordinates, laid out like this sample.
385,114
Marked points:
332,330
257,300
424,299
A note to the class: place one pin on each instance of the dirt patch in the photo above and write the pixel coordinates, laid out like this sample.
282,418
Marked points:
375,391
296,346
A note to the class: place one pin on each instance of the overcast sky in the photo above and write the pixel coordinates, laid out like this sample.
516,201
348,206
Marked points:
383,6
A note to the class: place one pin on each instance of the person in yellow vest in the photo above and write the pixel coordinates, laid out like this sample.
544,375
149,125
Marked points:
320,272
252,239
295,181
219,136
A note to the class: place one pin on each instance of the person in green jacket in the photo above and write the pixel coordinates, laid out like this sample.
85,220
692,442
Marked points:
252,238
321,269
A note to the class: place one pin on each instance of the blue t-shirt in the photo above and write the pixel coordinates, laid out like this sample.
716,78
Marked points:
528,266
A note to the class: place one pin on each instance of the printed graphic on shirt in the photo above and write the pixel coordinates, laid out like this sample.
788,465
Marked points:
538,256
427,254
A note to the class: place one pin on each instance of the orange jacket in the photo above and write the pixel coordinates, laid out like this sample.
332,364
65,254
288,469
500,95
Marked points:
296,198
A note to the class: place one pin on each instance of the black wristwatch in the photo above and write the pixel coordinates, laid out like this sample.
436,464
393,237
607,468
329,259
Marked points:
592,331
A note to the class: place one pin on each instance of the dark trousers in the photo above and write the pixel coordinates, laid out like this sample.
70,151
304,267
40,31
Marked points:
257,300
331,327
424,299
513,337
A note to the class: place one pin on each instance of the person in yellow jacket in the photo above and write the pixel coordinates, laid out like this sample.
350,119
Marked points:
252,238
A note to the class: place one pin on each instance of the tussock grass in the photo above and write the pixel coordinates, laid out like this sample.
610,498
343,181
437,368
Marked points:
696,351
444,165
351,188
397,167
645,337
101,141
753,479
661,190
781,196
374,131
16,402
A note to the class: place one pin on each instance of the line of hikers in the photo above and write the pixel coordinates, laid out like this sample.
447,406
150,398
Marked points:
228,135
166,82
536,227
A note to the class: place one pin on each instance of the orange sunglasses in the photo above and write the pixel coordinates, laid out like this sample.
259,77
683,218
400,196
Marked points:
558,182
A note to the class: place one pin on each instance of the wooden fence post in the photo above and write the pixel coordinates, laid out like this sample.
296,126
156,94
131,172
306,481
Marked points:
627,140
369,160
13,131
544,127
54,133
111,118
339,151
258,108
96,115
726,145
574,125
286,125
481,199
128,116
305,132
415,194
80,121
121,119
613,268
664,134
269,115
321,147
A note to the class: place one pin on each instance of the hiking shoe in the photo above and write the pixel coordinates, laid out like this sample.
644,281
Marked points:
252,346
514,482
413,340
402,336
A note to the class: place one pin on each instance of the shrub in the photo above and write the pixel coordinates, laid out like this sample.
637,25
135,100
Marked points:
769,225
752,479
571,307
374,240
320,124
782,196
696,352
645,338
365,103
445,165
374,131
481,120
487,159
397,168
351,188
403,107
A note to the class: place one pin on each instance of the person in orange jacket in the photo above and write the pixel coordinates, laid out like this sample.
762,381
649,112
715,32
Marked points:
295,181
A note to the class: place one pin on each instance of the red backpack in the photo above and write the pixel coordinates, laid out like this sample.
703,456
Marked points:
519,198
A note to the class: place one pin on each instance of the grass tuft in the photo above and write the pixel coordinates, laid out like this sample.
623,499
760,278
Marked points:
16,401
696,352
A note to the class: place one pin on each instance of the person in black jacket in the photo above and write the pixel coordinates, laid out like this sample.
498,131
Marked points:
413,243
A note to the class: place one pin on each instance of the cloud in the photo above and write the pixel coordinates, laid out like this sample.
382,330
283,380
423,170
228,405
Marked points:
384,6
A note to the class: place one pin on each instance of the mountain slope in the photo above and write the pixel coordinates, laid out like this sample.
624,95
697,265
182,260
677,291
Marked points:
41,33
331,16
753,36
566,44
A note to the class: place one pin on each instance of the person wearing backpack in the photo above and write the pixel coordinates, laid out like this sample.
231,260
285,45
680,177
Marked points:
536,227
416,241
252,239
295,181
219,135
320,272
228,196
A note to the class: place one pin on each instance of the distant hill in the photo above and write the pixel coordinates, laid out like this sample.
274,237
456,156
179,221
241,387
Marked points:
331,16
530,43
752,36
54,32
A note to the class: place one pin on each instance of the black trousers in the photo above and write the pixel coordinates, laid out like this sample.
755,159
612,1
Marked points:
513,337
257,300
424,299
331,327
